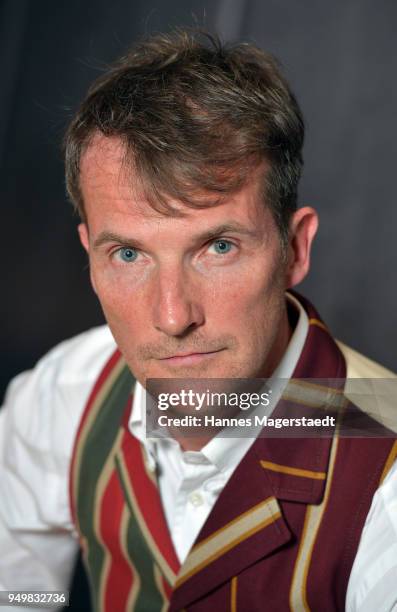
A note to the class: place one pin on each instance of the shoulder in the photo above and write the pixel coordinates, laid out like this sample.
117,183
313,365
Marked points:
372,583
371,387
360,366
70,362
44,405
38,425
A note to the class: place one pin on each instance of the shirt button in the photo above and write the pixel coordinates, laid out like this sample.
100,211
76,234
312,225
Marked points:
196,499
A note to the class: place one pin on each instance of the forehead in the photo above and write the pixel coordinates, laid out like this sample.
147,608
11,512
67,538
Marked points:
103,169
111,189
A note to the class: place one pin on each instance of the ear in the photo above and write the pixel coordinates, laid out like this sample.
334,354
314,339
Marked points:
303,228
85,241
83,235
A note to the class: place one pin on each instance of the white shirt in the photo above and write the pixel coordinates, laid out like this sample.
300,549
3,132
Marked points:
37,429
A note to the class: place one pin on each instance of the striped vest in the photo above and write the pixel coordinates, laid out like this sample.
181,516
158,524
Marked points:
282,535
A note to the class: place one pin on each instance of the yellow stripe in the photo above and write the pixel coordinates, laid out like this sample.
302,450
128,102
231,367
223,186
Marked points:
314,395
313,518
160,586
96,406
318,323
101,487
226,548
229,536
233,595
286,469
83,542
315,386
136,585
165,568
389,462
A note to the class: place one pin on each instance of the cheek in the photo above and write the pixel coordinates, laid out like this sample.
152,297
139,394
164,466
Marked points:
119,281
248,292
123,307
252,307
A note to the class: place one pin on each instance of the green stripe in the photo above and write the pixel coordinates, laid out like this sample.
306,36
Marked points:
98,445
149,598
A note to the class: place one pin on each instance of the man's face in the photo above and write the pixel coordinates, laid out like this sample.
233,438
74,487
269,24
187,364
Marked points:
200,295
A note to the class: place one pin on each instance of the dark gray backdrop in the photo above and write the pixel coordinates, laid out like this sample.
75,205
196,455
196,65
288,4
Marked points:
341,59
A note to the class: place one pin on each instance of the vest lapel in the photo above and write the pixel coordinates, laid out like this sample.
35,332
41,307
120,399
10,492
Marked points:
297,467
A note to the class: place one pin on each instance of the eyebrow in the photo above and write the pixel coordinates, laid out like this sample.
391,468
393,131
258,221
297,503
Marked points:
106,236
225,228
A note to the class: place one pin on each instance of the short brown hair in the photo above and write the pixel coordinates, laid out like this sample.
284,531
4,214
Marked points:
195,117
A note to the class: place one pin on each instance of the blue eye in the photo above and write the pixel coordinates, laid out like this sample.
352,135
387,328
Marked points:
127,254
222,246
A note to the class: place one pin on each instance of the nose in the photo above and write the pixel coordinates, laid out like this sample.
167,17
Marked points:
177,307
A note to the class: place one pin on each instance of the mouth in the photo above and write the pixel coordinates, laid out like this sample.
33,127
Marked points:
186,359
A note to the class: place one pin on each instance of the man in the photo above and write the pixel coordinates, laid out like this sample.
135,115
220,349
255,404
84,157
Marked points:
183,162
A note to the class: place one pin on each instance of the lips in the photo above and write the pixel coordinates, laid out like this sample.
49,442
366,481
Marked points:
189,358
